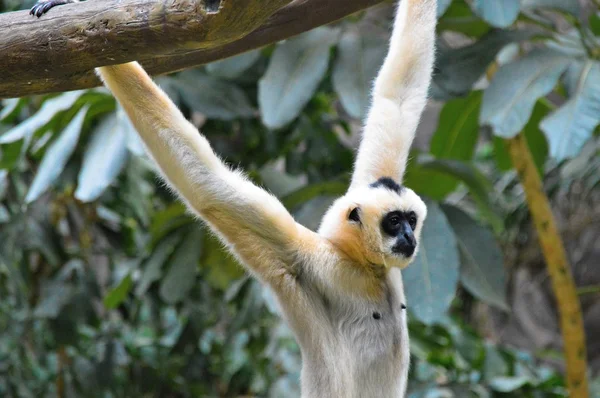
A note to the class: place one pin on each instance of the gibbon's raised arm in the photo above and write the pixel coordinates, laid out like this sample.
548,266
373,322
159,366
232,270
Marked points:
399,95
254,223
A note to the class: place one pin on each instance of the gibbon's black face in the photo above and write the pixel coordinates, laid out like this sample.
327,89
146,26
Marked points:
379,223
401,225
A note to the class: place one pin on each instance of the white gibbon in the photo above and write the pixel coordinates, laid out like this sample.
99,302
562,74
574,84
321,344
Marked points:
340,289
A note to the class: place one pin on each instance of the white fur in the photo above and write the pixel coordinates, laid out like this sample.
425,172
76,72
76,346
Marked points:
329,284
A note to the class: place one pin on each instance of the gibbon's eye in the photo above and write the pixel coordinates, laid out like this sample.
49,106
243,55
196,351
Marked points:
412,220
354,216
395,220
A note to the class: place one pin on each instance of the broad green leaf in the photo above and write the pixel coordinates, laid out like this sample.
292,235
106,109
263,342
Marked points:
48,110
360,55
56,157
103,160
494,364
233,67
457,70
418,175
181,276
456,136
534,136
153,266
295,70
55,296
219,267
442,6
499,13
431,280
482,266
509,100
214,98
568,128
570,6
119,293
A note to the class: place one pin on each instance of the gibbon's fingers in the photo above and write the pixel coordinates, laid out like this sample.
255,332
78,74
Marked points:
253,223
399,95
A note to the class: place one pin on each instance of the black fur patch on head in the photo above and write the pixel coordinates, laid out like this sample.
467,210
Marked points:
388,183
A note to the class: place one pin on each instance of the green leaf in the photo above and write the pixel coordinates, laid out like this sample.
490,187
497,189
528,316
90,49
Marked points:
431,280
278,182
181,276
303,195
442,6
119,293
456,136
459,17
568,128
10,106
482,267
214,98
508,383
534,136
418,175
103,160
295,70
48,110
152,269
499,13
233,67
570,6
457,70
360,55
220,267
509,100
56,157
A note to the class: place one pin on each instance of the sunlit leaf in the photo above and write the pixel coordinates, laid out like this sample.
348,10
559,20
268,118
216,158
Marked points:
442,6
514,90
9,107
482,267
104,157
233,67
507,383
48,110
119,293
499,13
458,69
569,127
56,157
214,98
295,70
359,57
571,6
431,280
459,17
534,136
181,276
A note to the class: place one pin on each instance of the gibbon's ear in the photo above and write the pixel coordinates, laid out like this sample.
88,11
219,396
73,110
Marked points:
354,215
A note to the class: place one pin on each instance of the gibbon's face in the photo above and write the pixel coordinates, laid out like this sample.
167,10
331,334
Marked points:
379,224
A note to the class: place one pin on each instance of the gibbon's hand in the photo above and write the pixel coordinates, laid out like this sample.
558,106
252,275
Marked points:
43,6
254,224
399,95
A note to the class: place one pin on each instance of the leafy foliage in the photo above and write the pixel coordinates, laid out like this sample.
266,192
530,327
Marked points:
109,287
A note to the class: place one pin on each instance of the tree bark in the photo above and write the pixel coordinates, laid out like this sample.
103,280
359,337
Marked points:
58,51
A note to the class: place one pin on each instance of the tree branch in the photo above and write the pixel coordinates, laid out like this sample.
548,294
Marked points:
59,51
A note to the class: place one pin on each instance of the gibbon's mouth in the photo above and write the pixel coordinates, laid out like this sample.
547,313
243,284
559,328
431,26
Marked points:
405,248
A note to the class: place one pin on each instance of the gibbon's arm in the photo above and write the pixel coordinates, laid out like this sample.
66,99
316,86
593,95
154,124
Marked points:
255,224
399,95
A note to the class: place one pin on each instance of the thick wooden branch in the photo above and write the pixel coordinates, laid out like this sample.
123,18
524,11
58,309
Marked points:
59,51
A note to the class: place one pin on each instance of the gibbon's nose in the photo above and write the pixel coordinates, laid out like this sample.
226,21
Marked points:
405,244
